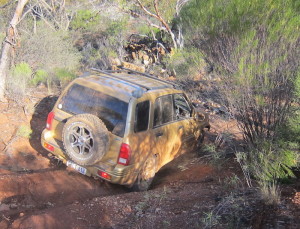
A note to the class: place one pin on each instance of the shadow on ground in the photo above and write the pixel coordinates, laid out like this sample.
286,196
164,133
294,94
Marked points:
38,123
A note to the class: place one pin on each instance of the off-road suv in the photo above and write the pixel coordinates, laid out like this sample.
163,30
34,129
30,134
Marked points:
122,126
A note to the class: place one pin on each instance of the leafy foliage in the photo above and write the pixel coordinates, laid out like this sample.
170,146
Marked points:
18,82
187,63
64,76
24,131
40,76
85,19
253,44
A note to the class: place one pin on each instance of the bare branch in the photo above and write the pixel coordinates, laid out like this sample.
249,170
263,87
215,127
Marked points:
159,17
146,10
27,12
43,18
147,20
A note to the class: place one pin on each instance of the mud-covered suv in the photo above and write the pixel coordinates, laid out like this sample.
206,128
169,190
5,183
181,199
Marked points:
122,126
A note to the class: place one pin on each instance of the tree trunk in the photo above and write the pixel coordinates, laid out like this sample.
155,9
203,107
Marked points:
8,44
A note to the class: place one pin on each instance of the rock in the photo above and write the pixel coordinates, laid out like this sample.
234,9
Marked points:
146,62
133,67
127,209
41,86
162,51
115,61
145,58
133,55
157,210
13,206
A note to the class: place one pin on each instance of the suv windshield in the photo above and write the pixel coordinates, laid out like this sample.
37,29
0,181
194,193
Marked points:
110,110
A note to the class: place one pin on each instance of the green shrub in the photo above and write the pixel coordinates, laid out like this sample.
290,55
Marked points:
269,162
24,131
85,19
187,63
253,44
64,76
291,131
145,29
273,162
116,27
40,76
107,43
18,80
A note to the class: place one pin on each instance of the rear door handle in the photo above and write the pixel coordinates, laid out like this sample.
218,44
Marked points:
159,134
181,127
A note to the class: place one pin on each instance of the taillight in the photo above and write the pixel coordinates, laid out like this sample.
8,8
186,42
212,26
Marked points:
104,175
49,120
124,155
49,147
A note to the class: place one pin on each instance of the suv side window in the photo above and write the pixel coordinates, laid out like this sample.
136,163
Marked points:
141,116
163,110
182,107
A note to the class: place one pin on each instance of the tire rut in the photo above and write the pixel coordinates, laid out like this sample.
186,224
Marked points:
34,191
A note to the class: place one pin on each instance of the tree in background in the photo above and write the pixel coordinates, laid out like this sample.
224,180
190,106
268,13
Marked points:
9,44
159,15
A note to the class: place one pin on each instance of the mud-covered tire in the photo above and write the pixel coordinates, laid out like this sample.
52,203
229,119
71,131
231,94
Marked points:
145,176
201,139
85,138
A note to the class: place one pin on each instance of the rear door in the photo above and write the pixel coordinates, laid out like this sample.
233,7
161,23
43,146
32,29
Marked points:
167,131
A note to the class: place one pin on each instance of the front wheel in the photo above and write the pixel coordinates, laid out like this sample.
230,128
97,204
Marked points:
201,139
146,175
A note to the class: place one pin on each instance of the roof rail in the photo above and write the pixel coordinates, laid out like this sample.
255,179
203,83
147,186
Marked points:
149,76
119,78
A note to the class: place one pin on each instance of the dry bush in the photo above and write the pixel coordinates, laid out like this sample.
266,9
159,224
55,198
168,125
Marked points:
270,193
18,81
48,50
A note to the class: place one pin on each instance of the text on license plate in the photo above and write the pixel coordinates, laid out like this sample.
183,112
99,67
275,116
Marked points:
78,168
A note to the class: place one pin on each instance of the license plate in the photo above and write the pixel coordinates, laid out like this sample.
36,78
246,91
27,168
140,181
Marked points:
78,168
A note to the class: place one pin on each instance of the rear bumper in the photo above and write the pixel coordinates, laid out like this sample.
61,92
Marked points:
119,174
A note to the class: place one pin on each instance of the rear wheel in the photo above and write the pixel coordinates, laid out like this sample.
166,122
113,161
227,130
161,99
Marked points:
146,175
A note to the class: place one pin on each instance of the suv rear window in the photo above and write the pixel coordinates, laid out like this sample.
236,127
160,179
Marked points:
112,111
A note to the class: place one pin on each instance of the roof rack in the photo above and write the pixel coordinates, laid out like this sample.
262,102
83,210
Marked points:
147,75
122,69
113,76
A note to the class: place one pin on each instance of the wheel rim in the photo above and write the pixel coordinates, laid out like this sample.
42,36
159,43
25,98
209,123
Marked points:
81,140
